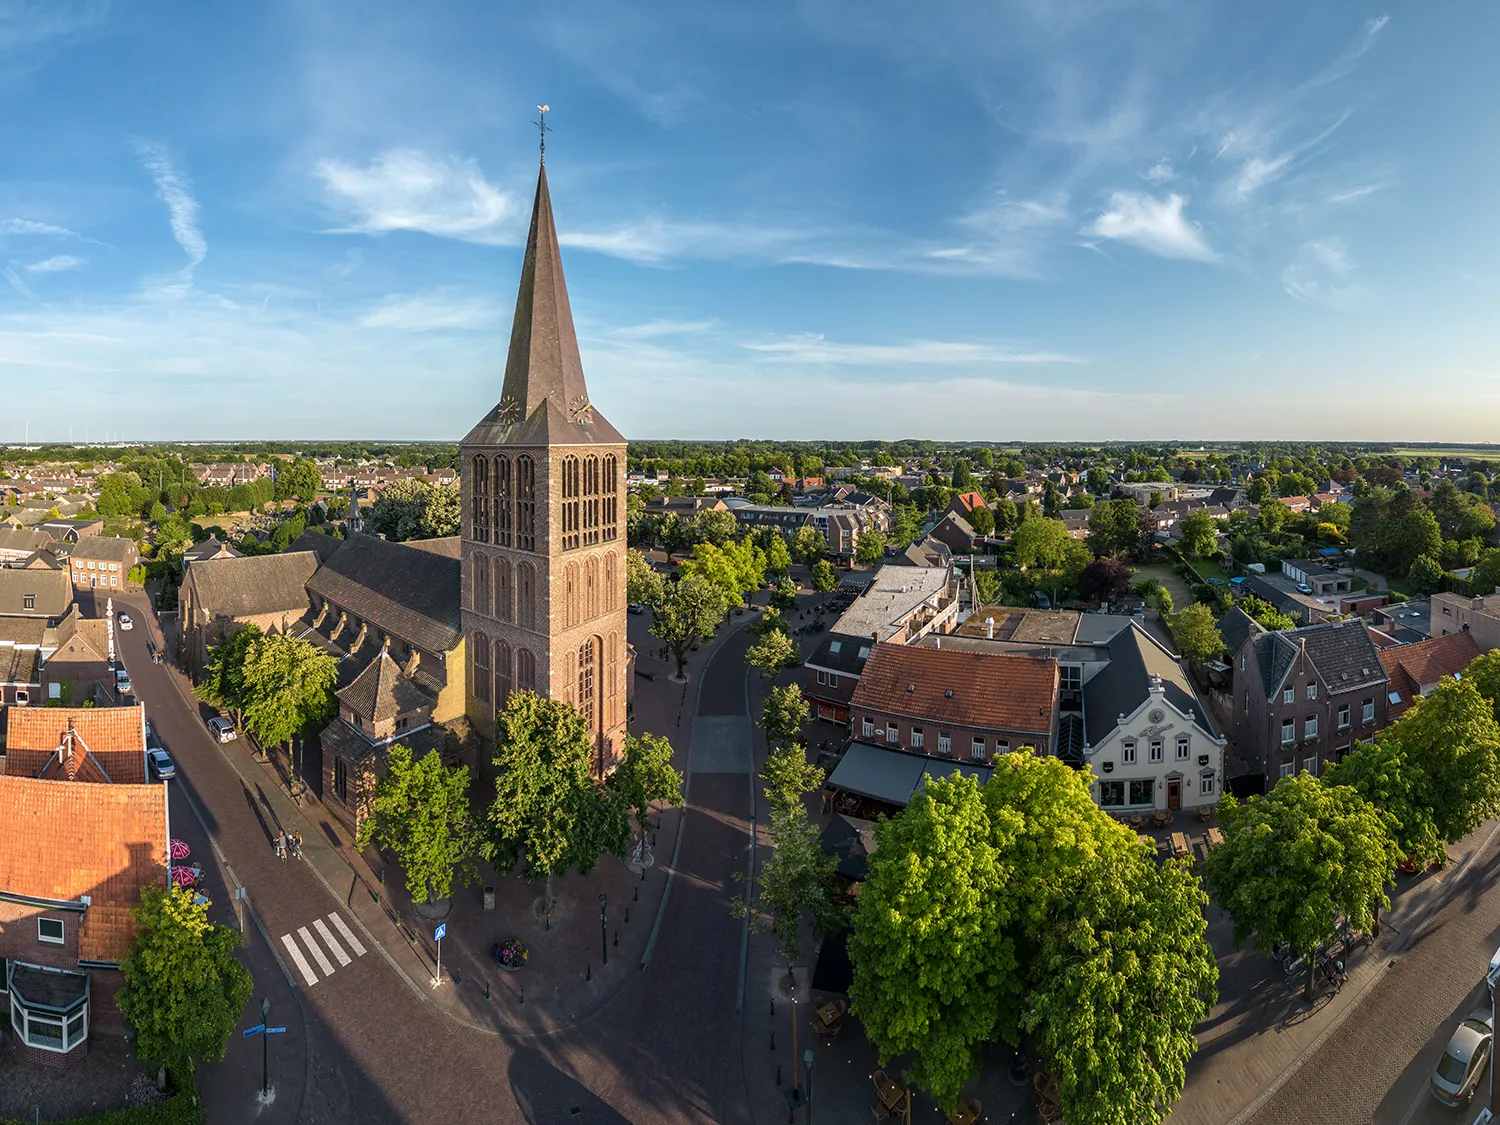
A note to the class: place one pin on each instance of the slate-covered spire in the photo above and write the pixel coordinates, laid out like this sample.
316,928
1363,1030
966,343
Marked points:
545,398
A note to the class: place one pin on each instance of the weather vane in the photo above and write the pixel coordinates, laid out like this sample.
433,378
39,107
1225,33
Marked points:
541,124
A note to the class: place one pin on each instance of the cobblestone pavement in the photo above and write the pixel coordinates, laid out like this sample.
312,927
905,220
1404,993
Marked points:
99,1083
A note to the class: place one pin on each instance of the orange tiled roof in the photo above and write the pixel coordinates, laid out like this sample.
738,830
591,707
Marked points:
1427,662
62,841
990,690
114,735
971,500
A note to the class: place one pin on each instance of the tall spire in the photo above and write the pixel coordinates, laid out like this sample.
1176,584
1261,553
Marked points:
544,396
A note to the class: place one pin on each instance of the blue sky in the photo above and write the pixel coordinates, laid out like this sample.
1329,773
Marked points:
1064,219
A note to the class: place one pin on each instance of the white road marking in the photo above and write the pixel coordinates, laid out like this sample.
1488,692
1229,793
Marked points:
348,934
317,951
335,947
302,966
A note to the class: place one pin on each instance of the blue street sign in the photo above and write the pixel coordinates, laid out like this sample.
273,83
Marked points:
441,930
256,1030
274,1030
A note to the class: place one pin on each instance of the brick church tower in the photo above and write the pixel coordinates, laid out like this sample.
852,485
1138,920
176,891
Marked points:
543,520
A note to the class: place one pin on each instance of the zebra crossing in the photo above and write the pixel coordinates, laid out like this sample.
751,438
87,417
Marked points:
319,948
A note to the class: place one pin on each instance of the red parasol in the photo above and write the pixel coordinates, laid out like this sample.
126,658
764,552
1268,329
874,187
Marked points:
180,850
184,876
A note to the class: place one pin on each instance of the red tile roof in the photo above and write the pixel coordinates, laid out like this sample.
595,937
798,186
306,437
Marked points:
993,691
1425,662
115,737
970,500
62,841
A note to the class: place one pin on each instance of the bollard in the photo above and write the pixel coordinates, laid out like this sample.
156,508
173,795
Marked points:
627,915
523,994
773,1007
486,990
617,939
778,1074
637,897
588,971
773,1039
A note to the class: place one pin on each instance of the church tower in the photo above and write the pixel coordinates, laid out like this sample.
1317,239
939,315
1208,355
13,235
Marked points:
543,536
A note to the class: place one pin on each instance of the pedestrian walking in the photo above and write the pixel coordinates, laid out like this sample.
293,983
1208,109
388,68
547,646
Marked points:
296,845
281,846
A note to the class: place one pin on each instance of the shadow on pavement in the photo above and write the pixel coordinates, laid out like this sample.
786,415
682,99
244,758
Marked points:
547,1096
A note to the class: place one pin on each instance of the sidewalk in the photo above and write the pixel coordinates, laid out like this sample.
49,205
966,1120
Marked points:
566,979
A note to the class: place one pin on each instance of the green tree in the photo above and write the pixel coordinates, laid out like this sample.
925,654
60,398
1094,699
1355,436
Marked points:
715,526
1382,774
643,585
784,596
982,520
1197,633
825,578
1485,577
299,479
1294,861
183,990
778,557
1042,543
808,546
1116,528
1425,575
798,878
223,684
987,586
289,685
644,776
689,611
869,548
1200,534
420,810
775,653
416,509
1265,613
782,716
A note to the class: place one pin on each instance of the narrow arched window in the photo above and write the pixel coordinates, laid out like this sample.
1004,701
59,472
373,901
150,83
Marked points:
590,501
525,596
502,501
479,594
587,657
479,487
612,680
570,503
610,491
481,646
525,503
502,674
591,589
503,611
525,670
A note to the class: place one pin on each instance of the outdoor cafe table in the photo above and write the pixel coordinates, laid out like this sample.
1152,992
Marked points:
1180,844
1214,837
893,1097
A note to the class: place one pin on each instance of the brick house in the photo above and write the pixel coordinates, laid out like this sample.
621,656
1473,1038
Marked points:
73,862
43,594
956,533
21,654
1302,697
956,704
75,662
98,562
220,596
1416,669
830,675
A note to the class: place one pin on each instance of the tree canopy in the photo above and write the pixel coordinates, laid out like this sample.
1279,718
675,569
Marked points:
420,810
689,611
1116,528
1197,633
1200,534
416,509
289,684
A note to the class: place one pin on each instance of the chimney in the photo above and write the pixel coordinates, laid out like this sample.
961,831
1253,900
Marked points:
989,628
937,639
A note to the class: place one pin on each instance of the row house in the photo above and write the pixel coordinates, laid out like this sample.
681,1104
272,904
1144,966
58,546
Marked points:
98,563
1302,697
1456,613
1415,669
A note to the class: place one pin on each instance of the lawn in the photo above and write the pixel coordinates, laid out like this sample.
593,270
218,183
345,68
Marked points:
1170,580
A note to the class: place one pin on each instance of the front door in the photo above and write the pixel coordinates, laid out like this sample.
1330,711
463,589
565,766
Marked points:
1174,795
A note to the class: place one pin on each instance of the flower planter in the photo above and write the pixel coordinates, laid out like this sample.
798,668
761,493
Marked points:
510,955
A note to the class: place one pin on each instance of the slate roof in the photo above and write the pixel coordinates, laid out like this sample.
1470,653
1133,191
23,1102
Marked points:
1237,627
449,546
407,592
543,370
109,550
382,691
839,652
115,737
1341,651
22,630
893,776
1412,666
211,548
994,691
343,741
315,541
20,665
51,589
23,539
929,552
63,841
257,584
1123,685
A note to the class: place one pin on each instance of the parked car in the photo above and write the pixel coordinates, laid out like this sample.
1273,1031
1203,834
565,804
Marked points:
222,729
161,764
125,623
122,682
637,607
1456,1077
1303,588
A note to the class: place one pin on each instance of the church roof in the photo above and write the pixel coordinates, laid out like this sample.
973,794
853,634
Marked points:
545,400
382,692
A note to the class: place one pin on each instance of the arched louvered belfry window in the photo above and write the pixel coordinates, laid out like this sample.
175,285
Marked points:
502,674
502,501
479,487
525,503
480,593
570,503
590,501
481,646
525,596
525,670
610,490
503,601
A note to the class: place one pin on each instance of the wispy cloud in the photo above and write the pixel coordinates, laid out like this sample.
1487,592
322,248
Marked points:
17,284
56,263
408,189
433,311
1159,173
1349,195
176,191
1321,271
28,226
654,329
1153,224
813,348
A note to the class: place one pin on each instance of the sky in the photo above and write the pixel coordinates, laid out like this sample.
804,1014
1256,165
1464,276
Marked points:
1050,220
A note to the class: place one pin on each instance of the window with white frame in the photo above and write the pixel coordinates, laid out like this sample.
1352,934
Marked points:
1127,752
945,742
892,732
1368,715
49,930
1184,745
1002,746
916,738
1312,689
1286,769
869,727
833,679
1156,749
1310,765
1289,695
1288,731
1310,727
1205,784
977,751
822,678
1344,717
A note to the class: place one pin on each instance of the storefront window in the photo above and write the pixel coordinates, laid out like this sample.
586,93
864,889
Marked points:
1141,792
1111,794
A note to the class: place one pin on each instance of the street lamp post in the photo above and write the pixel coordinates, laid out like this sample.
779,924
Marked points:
265,1053
604,926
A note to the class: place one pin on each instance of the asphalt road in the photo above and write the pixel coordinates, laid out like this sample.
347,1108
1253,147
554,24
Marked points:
663,1050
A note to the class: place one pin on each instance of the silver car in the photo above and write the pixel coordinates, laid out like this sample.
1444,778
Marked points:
222,729
1456,1076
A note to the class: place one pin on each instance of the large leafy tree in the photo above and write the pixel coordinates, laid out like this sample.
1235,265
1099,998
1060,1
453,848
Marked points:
643,585
1382,774
289,685
808,545
689,611
782,716
1200,534
1197,633
223,684
644,776
416,509
982,520
299,478
715,526
931,947
184,990
420,810
775,651
1116,528
869,548
784,596
825,577
1295,860
778,556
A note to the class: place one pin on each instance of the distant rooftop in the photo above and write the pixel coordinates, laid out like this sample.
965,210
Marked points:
894,593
